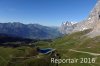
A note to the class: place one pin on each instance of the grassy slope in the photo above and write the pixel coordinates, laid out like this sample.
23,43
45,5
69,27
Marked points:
78,41
7,53
30,57
75,41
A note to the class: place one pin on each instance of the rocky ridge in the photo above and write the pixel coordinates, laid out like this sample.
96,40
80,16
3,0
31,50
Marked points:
92,22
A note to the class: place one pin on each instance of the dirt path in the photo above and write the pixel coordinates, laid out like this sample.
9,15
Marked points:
90,53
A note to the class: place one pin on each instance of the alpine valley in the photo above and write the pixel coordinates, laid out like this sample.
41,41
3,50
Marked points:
35,45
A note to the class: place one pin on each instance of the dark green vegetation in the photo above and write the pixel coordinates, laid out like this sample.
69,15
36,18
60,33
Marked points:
75,45
22,56
15,51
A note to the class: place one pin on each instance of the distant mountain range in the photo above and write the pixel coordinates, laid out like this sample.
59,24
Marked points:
32,31
36,31
67,27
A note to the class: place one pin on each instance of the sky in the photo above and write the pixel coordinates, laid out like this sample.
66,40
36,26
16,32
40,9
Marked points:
45,12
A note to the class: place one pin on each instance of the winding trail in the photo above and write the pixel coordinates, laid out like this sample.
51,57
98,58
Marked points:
90,53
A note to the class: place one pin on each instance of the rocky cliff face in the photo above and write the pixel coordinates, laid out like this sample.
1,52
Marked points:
66,27
92,22
95,15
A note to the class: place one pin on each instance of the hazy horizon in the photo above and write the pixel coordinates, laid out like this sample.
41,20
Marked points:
45,12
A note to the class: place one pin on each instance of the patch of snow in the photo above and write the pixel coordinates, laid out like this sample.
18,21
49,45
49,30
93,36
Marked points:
84,28
73,23
64,23
89,18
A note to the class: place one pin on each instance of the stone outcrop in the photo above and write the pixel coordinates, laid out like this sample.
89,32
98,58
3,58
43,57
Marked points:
66,27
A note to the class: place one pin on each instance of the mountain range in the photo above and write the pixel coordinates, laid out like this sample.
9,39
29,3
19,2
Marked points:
32,31
36,31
